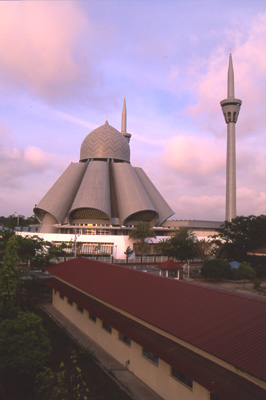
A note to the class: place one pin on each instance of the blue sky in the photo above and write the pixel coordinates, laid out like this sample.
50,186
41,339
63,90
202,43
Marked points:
66,66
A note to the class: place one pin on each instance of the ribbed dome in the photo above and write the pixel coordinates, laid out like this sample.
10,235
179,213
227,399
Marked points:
105,142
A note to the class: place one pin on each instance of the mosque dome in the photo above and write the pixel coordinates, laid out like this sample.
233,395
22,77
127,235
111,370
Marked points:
105,142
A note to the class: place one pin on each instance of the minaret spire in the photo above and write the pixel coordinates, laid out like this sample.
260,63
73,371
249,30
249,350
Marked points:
230,80
124,118
231,107
124,122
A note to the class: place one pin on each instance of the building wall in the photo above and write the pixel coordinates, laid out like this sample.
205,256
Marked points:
157,377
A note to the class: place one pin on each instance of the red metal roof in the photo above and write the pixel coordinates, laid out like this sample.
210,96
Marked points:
261,251
219,381
170,265
230,326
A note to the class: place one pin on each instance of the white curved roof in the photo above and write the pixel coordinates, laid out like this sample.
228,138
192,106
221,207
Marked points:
132,197
103,187
59,198
94,192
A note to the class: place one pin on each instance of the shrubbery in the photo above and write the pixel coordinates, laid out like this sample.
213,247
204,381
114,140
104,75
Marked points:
215,269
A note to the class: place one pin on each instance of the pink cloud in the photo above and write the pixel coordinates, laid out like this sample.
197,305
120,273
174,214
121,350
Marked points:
18,163
249,200
37,44
200,207
194,155
210,88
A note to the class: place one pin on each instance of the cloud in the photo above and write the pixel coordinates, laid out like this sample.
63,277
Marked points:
18,163
194,156
249,200
37,46
200,207
209,88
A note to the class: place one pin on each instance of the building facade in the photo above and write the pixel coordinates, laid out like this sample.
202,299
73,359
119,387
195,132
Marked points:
183,340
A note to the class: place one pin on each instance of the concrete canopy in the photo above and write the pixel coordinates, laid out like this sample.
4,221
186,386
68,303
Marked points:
103,188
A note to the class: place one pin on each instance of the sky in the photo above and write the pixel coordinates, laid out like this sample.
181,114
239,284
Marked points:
66,66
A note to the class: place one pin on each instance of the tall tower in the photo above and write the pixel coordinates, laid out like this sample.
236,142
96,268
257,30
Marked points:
231,108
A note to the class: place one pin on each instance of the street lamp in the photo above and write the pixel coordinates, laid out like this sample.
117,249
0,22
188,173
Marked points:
75,244
17,217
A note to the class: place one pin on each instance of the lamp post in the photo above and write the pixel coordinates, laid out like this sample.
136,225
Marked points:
17,216
75,244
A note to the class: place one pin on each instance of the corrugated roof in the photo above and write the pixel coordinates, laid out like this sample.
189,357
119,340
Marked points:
230,326
170,265
219,381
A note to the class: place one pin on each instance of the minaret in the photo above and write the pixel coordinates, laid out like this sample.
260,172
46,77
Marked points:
124,122
230,107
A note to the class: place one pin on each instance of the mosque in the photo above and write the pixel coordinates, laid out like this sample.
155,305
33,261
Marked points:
102,189
98,200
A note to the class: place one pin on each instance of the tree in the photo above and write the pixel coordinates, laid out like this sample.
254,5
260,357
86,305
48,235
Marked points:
215,269
128,253
9,280
14,220
141,233
202,249
33,249
64,384
245,272
24,345
241,235
180,246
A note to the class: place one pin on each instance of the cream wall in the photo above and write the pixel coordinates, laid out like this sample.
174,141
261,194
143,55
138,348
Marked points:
158,378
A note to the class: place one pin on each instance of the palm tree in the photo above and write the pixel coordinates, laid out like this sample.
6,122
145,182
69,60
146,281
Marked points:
203,249
128,252
141,232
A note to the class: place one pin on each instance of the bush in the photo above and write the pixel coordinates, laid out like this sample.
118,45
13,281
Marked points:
257,284
245,272
215,269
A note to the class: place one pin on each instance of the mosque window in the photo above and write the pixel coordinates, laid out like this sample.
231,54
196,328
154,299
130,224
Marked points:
150,356
182,378
61,296
107,327
70,302
229,116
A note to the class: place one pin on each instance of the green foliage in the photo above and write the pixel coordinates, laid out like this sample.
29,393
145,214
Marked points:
245,272
14,220
202,249
241,235
64,384
32,248
257,284
128,252
24,345
180,246
141,233
215,269
9,280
